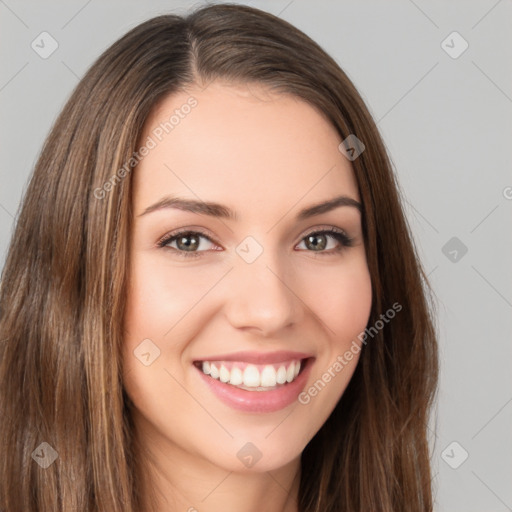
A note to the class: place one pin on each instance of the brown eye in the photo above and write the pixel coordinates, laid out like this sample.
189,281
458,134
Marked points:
318,241
186,243
189,242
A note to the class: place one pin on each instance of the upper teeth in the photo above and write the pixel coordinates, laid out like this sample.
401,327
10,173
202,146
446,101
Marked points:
252,375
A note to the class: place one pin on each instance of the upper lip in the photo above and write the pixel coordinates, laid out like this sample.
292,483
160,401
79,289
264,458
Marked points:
280,356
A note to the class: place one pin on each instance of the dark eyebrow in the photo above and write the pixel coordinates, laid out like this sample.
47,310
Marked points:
218,210
329,205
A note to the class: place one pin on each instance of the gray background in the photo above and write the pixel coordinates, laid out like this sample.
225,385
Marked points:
448,127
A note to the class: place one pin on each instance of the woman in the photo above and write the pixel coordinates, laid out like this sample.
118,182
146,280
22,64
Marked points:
212,299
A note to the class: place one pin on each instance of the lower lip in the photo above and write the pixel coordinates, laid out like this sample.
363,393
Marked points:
259,401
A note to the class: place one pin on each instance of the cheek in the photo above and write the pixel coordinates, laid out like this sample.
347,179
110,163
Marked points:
343,308
165,309
159,309
152,309
160,297
343,302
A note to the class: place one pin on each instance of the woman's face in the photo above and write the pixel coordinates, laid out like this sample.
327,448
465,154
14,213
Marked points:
251,286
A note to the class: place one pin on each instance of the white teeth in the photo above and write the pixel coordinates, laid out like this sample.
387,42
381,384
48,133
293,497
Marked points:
224,374
214,372
251,376
268,376
281,375
237,377
290,373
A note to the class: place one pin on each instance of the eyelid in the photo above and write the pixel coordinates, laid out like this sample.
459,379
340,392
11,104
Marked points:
176,232
319,229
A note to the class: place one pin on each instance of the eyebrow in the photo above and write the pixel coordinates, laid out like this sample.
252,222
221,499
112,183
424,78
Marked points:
218,210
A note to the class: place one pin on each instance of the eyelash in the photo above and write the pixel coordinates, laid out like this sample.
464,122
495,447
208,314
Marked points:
344,240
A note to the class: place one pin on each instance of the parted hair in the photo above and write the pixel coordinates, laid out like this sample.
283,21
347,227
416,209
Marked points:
63,288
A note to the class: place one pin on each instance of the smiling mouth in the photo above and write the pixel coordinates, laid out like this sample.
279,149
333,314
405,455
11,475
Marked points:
253,377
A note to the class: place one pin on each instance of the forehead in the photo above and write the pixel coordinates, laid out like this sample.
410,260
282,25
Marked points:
242,145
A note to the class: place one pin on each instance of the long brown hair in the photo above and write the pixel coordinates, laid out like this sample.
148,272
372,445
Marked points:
64,283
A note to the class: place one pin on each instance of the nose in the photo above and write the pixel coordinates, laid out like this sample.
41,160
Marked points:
262,298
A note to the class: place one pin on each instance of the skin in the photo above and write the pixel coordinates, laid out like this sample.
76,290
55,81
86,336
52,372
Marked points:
266,156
